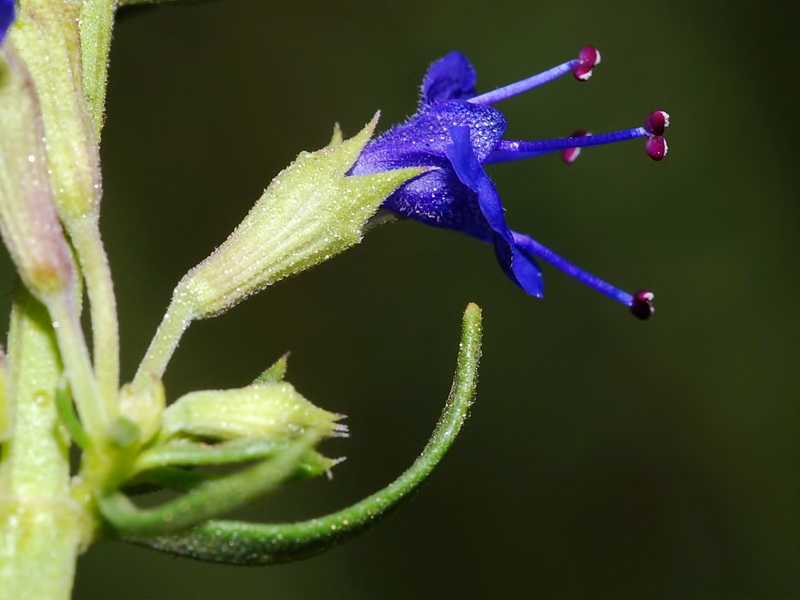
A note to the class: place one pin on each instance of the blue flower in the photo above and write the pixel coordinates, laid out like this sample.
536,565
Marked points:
456,132
6,17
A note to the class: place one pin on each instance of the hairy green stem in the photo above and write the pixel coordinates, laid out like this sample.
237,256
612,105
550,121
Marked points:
42,529
178,317
96,414
85,236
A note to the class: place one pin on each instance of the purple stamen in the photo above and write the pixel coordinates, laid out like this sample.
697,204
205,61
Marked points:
580,67
542,146
640,304
655,146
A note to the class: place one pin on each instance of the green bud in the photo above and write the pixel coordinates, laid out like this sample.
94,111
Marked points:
47,36
310,212
28,222
124,434
262,410
144,405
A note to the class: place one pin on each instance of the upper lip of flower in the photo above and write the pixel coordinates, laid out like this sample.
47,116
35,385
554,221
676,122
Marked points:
456,132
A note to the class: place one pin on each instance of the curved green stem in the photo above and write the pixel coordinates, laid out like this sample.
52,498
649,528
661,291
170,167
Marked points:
187,453
206,501
242,543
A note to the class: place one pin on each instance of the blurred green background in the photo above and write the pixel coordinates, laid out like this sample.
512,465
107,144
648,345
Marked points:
605,457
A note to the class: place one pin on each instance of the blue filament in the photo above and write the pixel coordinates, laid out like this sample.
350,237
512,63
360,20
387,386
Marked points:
533,247
526,84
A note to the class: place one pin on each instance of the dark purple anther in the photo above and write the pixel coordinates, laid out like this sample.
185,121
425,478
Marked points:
642,304
656,147
656,122
570,155
587,59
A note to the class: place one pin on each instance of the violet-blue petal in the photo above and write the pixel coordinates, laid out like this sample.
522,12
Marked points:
517,264
452,77
6,17
423,139
439,199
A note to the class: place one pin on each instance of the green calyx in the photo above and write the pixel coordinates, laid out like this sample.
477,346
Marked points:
261,410
310,212
48,37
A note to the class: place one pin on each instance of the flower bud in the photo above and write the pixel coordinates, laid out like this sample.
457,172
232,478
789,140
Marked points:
47,37
144,405
28,222
311,211
263,410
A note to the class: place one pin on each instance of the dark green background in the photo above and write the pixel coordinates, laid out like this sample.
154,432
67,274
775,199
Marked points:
605,458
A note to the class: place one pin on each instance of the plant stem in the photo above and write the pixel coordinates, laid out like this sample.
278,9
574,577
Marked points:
179,315
88,244
96,412
42,529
